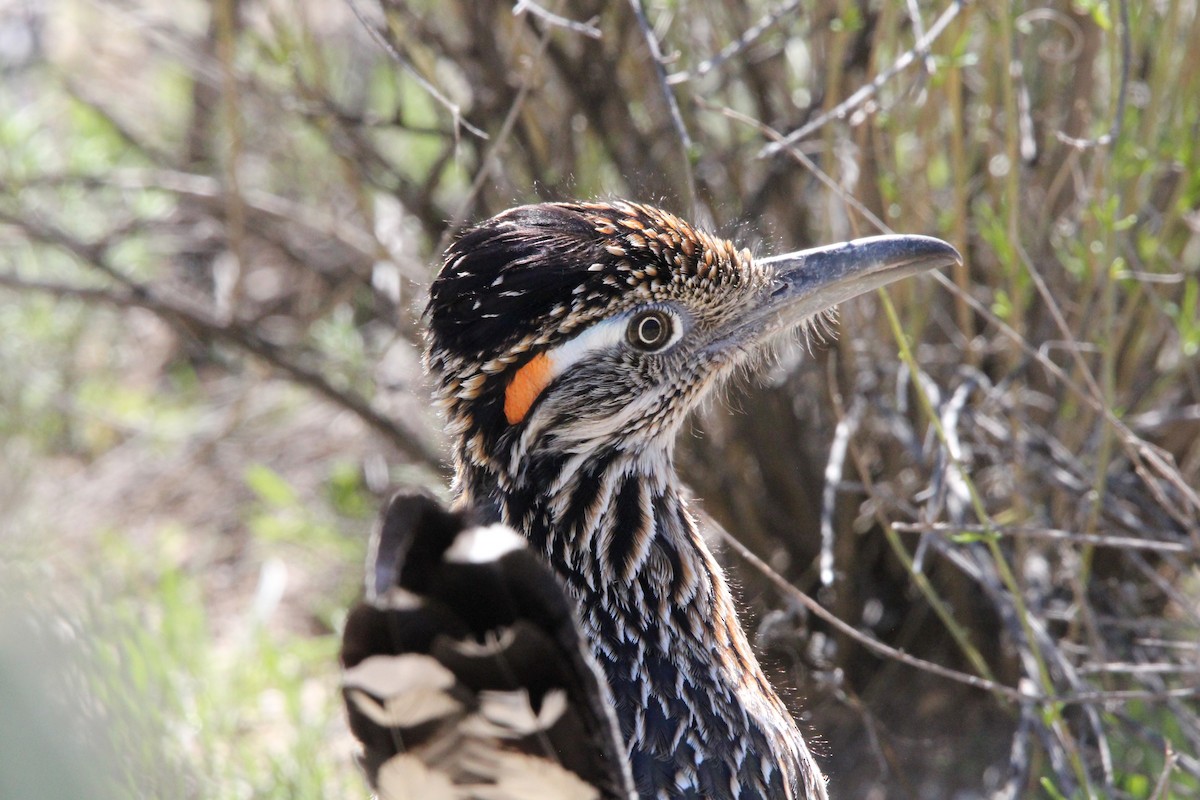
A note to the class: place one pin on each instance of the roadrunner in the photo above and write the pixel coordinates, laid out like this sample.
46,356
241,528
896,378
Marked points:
568,343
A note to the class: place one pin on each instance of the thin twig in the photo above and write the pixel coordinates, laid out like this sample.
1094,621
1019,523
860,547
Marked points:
1101,696
845,628
846,427
821,175
1164,779
1118,122
1054,534
278,208
383,37
197,322
842,109
588,28
94,254
660,71
914,16
1008,692
226,31
1136,448
488,162
737,46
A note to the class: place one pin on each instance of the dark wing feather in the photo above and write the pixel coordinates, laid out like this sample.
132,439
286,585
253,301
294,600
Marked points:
464,672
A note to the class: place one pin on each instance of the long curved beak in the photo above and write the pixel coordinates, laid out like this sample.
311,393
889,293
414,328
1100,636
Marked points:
809,282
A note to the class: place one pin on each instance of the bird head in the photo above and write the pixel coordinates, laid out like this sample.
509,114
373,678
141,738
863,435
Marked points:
576,327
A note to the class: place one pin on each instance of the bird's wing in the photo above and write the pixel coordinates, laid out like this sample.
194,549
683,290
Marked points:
464,672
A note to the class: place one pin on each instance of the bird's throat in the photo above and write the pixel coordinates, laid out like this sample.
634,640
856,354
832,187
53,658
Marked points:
617,530
610,520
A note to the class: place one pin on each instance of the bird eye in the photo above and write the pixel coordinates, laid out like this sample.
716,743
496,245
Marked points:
651,330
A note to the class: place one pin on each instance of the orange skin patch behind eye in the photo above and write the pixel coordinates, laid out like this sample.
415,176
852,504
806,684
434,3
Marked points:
525,387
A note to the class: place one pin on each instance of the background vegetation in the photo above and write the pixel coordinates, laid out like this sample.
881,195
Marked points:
217,221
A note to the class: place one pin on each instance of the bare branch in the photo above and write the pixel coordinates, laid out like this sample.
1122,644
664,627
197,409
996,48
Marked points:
588,28
737,46
384,37
869,642
1052,534
198,322
842,109
660,71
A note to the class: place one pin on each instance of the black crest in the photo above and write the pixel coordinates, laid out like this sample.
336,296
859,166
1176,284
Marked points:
503,277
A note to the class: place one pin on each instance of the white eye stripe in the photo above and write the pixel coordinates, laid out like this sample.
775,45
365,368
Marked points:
601,336
605,335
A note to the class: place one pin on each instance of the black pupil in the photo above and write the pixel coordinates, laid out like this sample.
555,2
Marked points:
650,330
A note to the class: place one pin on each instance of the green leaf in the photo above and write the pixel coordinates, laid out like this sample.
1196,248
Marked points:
270,486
